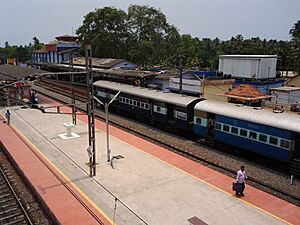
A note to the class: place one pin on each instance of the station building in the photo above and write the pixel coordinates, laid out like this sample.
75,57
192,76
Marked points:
61,49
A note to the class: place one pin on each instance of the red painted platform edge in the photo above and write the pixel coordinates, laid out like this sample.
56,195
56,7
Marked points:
34,190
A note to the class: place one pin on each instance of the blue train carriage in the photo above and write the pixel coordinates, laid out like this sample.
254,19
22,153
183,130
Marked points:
157,107
273,135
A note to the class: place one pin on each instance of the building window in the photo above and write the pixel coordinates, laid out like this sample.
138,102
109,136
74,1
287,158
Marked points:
130,102
142,105
234,130
225,128
243,132
218,126
285,144
157,108
252,135
262,138
134,102
273,140
127,100
146,106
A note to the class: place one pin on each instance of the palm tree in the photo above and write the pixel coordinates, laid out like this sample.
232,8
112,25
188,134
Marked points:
295,33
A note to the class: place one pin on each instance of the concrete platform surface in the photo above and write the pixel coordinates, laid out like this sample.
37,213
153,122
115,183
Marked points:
150,185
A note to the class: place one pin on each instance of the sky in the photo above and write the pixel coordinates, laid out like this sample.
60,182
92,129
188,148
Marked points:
21,20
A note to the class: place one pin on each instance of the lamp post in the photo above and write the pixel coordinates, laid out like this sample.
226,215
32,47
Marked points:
106,105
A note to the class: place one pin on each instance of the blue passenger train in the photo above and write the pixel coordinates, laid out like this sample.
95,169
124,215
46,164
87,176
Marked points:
275,136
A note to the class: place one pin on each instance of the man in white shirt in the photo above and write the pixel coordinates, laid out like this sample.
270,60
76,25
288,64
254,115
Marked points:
240,180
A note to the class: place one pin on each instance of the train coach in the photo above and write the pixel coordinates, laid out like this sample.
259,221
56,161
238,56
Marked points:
162,109
273,135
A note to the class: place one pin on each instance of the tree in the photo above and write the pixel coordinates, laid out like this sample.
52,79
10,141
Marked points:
295,33
106,30
149,29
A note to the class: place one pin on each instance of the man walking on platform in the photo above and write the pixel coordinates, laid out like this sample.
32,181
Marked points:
240,180
7,116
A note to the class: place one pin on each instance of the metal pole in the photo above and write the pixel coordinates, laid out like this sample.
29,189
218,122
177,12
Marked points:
180,73
106,105
90,107
107,132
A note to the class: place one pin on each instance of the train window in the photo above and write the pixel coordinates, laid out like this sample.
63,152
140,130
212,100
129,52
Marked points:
138,104
134,102
127,100
158,109
243,132
285,144
218,126
225,128
180,115
262,138
198,120
146,106
252,134
234,130
273,140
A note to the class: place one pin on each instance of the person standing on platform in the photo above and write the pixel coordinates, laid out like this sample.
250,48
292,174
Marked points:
241,177
7,116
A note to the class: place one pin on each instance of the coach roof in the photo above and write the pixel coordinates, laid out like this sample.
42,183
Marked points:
168,97
286,120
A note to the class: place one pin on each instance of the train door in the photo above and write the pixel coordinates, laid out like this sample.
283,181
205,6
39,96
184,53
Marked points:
211,118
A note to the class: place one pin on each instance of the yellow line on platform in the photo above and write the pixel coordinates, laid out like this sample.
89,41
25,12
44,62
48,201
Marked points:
65,177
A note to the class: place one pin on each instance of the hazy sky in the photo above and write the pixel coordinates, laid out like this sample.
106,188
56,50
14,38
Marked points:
20,20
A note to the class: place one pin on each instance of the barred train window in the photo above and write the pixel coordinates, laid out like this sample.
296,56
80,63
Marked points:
262,138
234,130
252,134
218,126
243,132
180,115
273,140
285,144
225,128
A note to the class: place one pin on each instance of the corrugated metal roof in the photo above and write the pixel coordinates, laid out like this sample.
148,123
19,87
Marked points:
286,89
105,63
172,98
248,56
12,72
285,120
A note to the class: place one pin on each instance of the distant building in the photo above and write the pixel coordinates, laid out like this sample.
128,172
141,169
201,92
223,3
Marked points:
248,66
286,95
62,49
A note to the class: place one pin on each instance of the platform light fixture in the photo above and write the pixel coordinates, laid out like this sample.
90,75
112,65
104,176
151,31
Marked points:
106,105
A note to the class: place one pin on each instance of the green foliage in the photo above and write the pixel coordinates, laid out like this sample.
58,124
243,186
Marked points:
142,35
20,53
295,33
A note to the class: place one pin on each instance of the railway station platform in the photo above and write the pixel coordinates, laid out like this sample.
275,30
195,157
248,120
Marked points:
146,185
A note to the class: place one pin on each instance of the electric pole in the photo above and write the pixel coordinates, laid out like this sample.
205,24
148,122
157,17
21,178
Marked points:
90,108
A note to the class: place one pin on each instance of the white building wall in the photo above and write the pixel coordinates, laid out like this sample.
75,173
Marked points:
254,67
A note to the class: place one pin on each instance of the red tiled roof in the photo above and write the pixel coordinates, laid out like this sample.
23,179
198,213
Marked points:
245,91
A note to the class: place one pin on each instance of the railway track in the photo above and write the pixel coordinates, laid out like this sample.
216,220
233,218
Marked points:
285,192
12,210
